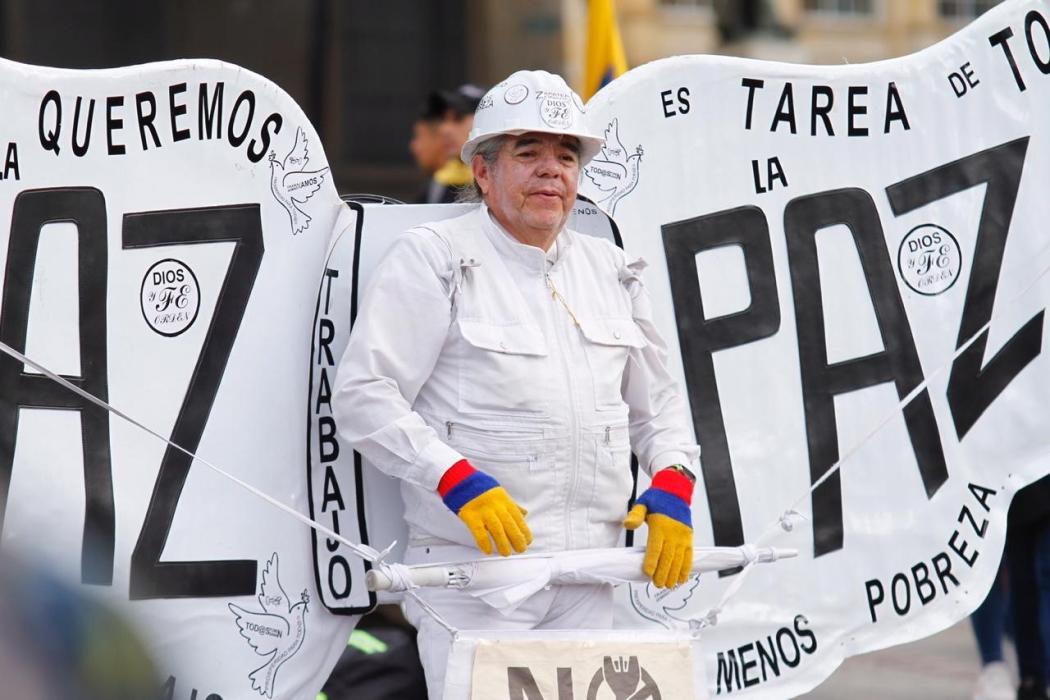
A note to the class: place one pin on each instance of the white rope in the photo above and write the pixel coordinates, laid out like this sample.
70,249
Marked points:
361,550
749,552
787,519
400,576
427,608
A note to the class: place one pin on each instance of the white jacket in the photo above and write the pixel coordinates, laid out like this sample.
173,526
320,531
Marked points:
460,349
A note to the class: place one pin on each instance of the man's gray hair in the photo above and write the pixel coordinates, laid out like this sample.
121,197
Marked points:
488,150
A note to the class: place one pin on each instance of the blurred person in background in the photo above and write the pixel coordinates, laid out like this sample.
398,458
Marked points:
459,118
456,108
1042,572
381,661
428,146
1027,529
57,644
990,623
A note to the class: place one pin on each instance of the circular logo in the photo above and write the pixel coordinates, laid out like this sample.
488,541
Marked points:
515,94
170,297
556,111
929,259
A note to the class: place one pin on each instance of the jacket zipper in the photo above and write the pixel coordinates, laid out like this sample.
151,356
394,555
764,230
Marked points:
574,466
519,433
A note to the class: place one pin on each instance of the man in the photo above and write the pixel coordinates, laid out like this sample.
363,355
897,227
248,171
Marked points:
428,148
450,115
504,367
459,116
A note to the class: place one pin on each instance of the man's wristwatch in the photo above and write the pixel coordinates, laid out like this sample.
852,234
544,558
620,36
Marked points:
681,469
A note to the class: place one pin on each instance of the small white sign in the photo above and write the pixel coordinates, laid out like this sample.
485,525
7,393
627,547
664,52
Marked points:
594,670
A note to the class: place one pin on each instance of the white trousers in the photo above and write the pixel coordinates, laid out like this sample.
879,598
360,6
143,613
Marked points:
559,607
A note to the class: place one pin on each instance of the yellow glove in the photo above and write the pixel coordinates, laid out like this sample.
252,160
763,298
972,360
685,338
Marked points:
486,508
664,507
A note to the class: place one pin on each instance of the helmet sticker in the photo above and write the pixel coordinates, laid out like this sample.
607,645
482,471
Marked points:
515,94
556,110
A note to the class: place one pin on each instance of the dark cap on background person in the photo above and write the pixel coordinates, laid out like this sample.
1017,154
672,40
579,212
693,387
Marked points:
444,122
434,107
463,100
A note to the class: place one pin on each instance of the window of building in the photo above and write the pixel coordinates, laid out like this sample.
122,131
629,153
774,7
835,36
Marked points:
964,9
841,7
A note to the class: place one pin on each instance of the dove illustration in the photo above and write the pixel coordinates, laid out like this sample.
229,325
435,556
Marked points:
673,599
612,171
277,631
292,184
660,605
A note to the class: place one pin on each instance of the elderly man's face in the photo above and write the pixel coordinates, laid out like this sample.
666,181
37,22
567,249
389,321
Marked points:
531,187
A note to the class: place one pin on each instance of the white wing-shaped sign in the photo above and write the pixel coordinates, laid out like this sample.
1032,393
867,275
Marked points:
850,263
162,231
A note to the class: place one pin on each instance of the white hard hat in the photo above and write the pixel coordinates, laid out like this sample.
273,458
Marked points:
532,100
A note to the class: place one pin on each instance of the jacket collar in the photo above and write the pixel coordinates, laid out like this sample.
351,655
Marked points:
511,248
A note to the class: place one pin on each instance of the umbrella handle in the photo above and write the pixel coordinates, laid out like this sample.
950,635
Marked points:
386,578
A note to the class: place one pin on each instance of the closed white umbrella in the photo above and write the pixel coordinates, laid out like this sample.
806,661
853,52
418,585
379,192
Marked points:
505,582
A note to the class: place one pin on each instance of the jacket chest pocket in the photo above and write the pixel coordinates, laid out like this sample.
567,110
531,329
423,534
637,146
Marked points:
607,343
513,456
503,369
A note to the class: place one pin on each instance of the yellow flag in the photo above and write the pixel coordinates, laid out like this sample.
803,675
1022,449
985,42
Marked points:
605,57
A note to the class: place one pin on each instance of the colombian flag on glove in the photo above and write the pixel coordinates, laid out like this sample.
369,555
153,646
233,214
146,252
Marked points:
486,508
665,509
